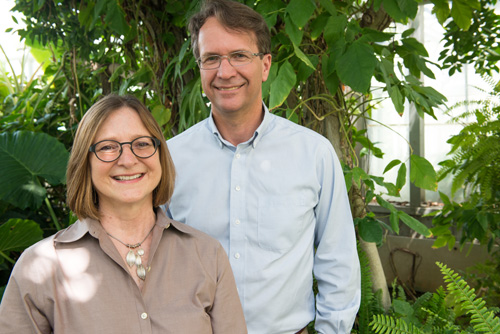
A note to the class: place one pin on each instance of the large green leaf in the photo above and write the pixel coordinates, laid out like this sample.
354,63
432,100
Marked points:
18,234
25,156
422,174
461,11
282,86
300,11
356,66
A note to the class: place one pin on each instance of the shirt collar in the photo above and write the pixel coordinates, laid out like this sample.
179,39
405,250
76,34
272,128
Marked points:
93,227
255,138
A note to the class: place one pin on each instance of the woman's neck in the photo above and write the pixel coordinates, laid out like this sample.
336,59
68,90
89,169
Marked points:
127,224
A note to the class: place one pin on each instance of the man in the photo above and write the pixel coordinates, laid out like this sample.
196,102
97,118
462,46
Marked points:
272,192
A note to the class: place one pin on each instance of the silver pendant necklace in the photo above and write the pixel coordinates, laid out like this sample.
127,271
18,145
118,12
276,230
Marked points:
134,257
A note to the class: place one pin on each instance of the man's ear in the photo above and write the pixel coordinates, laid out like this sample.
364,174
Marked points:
266,66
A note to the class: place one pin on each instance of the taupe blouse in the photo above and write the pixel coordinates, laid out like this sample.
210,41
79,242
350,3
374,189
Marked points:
76,282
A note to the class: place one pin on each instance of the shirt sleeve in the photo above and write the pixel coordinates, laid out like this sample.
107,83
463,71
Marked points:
18,312
226,313
336,262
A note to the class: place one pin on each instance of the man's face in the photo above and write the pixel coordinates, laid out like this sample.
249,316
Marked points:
232,89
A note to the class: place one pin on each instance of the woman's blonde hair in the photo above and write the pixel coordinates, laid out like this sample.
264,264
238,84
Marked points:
81,195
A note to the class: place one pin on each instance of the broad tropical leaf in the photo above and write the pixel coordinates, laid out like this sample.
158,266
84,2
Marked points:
18,234
27,156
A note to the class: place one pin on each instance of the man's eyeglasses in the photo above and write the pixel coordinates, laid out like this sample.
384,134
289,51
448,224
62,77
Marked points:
110,150
238,58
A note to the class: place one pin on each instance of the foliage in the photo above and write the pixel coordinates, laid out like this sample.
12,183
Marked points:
461,42
475,167
486,278
440,312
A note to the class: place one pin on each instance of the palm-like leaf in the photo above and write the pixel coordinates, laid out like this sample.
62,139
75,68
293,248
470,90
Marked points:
25,157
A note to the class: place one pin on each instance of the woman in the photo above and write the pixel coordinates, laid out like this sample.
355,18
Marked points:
123,267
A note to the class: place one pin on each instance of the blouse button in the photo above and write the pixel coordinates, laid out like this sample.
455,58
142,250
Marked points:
144,316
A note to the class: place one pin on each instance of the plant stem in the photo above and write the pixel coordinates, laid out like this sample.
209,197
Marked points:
7,258
52,214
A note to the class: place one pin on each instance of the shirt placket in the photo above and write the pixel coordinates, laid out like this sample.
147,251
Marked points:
237,215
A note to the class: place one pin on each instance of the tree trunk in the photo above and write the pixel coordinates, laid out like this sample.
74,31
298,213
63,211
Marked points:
333,132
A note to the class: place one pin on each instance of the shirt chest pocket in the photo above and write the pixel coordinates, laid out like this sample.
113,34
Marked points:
281,220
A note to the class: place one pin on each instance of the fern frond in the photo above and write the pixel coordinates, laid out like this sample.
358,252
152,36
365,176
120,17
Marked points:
482,319
382,323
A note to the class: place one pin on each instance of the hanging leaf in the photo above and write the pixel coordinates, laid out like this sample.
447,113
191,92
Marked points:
18,234
26,156
356,66
422,174
282,86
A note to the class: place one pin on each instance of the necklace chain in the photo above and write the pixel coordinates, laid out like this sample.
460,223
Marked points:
134,246
135,258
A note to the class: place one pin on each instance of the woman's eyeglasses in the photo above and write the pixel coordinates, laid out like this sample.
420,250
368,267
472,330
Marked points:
110,150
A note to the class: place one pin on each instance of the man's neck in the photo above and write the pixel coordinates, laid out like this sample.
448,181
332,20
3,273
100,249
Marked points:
238,128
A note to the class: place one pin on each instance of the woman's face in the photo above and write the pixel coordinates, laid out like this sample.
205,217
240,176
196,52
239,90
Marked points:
129,179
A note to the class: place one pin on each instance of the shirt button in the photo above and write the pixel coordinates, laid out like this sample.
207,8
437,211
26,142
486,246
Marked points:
237,188
144,316
237,255
238,155
237,222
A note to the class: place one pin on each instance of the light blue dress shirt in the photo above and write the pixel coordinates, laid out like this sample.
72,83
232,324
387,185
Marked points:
278,205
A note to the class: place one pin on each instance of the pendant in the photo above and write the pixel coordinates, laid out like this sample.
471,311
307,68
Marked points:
141,272
130,258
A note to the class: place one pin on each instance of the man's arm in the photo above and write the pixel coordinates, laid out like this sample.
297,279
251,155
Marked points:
336,262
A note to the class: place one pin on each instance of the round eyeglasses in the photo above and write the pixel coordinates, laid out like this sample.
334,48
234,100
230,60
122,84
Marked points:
110,150
238,58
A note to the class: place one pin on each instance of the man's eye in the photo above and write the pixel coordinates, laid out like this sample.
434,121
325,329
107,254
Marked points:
240,56
211,59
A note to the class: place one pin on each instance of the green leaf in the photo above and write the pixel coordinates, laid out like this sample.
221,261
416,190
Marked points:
441,9
414,224
161,114
282,86
115,18
335,29
392,8
461,11
370,230
329,75
18,234
383,203
303,57
25,156
394,220
391,164
422,174
293,32
356,66
329,6
300,11
401,179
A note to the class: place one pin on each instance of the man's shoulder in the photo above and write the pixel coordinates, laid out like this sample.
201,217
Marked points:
198,130
284,127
